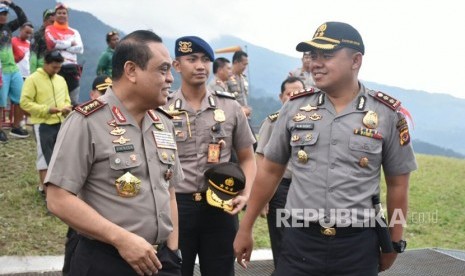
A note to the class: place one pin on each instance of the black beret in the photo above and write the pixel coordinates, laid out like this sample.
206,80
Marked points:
187,45
333,36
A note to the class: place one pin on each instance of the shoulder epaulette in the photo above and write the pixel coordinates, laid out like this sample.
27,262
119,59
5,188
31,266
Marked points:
273,117
225,94
389,101
164,112
89,107
302,93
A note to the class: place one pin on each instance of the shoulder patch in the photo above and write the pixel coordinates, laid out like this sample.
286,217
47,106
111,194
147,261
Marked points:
302,93
225,94
273,117
89,107
389,101
164,112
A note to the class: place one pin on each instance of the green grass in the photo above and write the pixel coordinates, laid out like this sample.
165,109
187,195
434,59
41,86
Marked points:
437,205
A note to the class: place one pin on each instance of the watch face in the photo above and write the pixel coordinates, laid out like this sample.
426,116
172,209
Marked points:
400,246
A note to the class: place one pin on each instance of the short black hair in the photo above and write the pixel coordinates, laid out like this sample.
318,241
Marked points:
27,24
291,80
219,63
237,57
110,35
133,47
53,56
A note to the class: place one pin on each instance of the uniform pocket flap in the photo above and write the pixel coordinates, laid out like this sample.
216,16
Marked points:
365,144
121,161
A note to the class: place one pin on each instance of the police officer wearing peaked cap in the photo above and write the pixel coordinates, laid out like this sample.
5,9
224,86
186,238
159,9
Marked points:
124,168
336,137
208,126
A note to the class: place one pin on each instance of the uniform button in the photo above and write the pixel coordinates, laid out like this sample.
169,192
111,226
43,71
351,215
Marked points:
332,166
336,120
333,142
366,147
117,161
127,163
331,190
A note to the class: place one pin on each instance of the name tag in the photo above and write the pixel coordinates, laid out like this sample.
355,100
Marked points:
164,140
124,148
306,126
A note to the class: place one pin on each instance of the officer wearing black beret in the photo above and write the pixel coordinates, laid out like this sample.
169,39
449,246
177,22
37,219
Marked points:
209,125
337,138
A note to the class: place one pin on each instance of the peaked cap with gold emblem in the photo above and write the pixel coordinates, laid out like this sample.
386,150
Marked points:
333,36
225,181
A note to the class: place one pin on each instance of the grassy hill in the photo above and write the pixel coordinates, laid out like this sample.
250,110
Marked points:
436,205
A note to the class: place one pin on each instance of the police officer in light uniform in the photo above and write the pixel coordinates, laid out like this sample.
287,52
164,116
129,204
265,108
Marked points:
304,73
119,156
278,201
336,141
208,126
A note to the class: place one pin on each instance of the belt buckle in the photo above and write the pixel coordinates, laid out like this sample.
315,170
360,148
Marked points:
197,197
328,231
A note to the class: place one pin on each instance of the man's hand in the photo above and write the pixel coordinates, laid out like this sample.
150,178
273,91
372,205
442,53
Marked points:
386,260
238,203
53,110
66,110
243,245
140,254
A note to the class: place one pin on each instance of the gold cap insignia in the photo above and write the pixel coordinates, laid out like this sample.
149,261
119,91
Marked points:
185,47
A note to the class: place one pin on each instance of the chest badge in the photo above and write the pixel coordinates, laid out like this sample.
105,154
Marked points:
295,138
299,117
370,120
118,131
121,140
315,117
219,115
308,108
127,185
302,156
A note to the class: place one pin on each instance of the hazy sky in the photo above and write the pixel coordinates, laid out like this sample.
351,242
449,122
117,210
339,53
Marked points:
411,44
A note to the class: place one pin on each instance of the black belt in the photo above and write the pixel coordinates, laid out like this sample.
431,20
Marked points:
286,182
108,248
317,229
197,197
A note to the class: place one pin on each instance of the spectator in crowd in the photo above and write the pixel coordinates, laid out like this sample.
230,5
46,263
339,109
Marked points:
38,44
68,41
11,77
21,48
45,97
104,62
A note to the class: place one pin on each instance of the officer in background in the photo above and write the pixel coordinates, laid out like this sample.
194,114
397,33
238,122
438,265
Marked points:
278,201
208,126
100,86
222,72
238,83
124,167
304,72
336,142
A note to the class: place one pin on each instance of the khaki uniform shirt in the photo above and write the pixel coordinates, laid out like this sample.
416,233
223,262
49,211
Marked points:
264,136
195,130
217,85
305,76
239,86
342,170
91,153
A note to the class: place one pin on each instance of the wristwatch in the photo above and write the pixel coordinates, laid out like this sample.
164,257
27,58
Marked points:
399,246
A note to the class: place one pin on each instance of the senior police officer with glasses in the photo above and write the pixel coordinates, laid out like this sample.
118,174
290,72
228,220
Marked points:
119,156
208,126
337,137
